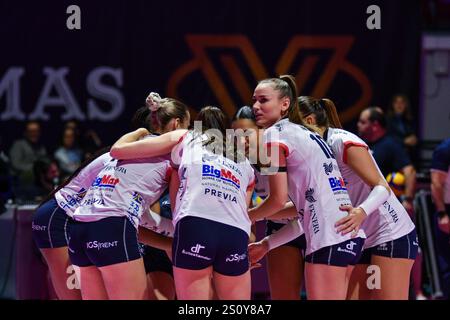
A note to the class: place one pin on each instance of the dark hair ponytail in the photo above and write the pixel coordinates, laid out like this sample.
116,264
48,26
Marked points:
331,112
293,111
324,111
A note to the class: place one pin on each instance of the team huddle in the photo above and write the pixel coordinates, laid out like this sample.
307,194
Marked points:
168,212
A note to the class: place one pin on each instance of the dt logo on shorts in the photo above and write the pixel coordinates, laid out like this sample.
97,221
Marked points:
349,248
220,59
197,248
350,245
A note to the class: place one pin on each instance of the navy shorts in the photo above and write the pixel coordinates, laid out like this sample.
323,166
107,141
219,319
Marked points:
339,255
200,243
299,242
103,243
51,226
405,247
155,260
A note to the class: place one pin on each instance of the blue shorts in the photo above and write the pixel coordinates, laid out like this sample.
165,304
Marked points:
51,226
340,255
200,243
405,247
299,242
155,260
102,243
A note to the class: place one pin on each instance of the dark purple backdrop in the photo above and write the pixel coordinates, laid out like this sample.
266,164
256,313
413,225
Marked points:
203,52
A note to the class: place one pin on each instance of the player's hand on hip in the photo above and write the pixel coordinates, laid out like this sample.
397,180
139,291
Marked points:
352,222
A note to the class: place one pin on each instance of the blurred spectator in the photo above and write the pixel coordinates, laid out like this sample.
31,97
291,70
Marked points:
25,152
5,179
400,123
72,124
89,141
440,183
69,155
389,154
47,177
440,191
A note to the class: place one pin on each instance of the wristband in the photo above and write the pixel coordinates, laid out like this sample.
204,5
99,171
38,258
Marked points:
286,234
376,198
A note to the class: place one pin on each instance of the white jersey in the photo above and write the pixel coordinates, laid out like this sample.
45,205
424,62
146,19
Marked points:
69,197
315,184
125,188
212,186
390,221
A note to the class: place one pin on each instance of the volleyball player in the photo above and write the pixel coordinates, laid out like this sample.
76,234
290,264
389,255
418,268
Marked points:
103,237
52,219
210,194
284,263
156,260
299,155
391,242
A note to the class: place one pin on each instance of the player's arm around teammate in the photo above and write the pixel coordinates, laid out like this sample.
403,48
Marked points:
285,262
53,218
104,241
210,213
317,196
392,246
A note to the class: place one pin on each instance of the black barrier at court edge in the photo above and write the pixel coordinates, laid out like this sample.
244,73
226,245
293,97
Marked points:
31,271
426,232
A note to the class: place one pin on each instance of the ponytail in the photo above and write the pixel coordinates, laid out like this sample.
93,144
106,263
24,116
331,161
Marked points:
331,112
163,110
323,110
293,112
285,84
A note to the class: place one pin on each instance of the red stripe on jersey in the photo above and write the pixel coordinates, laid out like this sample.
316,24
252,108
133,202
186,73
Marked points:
349,144
182,137
169,173
280,145
252,184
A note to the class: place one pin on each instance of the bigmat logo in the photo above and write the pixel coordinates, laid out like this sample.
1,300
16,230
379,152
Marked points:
106,181
300,58
225,175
